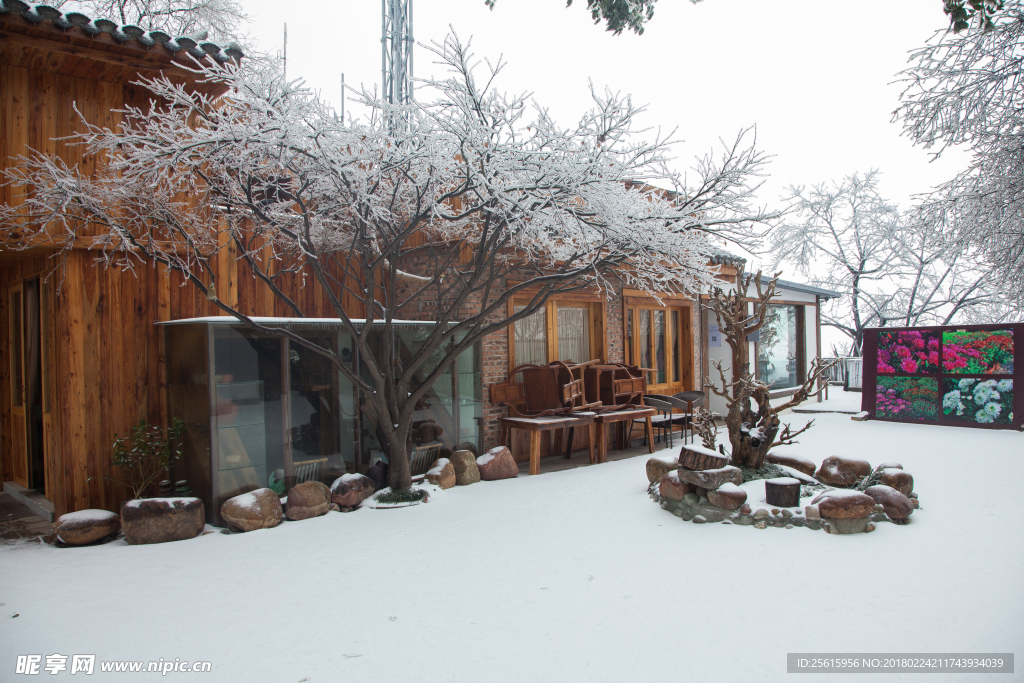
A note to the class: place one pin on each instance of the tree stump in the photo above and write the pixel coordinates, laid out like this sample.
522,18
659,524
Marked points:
783,492
694,457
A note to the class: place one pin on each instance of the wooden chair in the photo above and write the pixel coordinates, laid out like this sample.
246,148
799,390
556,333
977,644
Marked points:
423,456
308,470
693,399
556,389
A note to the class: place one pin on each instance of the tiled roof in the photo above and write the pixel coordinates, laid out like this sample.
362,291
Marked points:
197,46
722,257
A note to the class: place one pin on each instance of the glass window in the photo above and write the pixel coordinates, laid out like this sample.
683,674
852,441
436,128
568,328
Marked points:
777,350
644,334
677,357
531,338
659,344
629,337
574,334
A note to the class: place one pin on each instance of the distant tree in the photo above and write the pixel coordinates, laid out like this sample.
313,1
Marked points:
968,89
221,19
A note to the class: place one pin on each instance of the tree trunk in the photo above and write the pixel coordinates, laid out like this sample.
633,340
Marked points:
782,493
399,465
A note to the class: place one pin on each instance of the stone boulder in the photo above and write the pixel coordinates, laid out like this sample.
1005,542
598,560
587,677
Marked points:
728,496
887,465
670,487
897,479
844,504
466,471
378,473
349,490
259,509
694,457
87,526
442,473
308,499
798,463
659,466
896,505
160,520
712,479
497,463
842,472
798,475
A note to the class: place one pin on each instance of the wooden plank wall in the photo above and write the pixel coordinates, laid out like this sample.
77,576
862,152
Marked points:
106,356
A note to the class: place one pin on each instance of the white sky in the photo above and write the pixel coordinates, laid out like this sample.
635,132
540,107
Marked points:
813,75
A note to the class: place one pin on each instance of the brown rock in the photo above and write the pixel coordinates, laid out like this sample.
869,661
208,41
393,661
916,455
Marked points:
798,475
887,465
895,504
897,479
308,499
87,526
659,466
840,504
812,512
349,490
745,509
795,461
670,487
466,470
497,463
711,479
728,496
442,473
160,520
694,457
259,509
842,472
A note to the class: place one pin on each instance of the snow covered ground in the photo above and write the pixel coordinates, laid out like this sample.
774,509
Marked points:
568,576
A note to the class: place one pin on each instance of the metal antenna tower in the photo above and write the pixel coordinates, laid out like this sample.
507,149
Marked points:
396,50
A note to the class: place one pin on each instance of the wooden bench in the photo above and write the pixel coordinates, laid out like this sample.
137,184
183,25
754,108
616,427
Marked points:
536,425
621,418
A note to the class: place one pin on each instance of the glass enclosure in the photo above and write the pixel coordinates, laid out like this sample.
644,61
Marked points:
262,411
778,348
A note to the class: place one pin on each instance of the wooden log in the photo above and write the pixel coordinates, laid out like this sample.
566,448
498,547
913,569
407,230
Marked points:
783,492
698,458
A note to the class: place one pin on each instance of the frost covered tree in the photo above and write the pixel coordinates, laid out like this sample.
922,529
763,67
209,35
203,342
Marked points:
220,18
967,89
893,268
433,204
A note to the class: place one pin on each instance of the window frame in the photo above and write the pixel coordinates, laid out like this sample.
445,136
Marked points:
598,324
632,305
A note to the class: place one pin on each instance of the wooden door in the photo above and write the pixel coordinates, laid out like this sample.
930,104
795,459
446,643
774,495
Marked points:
19,443
660,338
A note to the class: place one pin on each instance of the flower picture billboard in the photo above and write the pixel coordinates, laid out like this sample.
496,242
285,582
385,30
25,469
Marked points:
958,375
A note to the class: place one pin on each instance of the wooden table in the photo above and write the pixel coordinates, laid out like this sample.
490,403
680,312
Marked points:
536,425
621,417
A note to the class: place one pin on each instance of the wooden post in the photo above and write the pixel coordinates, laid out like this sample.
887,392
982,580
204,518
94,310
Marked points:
783,492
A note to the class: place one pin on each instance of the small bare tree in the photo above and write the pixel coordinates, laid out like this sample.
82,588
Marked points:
753,431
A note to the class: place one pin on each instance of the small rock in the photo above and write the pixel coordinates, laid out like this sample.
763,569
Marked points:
160,520
897,479
466,471
912,494
307,500
878,506
728,496
916,503
797,462
842,472
87,526
775,511
659,466
673,489
711,479
701,492
334,507
761,513
349,490
895,504
496,464
844,504
869,528
699,519
442,473
744,509
850,526
814,524
761,525
691,498
789,526
812,512
259,509
787,514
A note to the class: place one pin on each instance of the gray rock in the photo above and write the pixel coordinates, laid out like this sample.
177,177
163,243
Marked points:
712,479
787,514
760,525
691,499
699,519
812,512
761,514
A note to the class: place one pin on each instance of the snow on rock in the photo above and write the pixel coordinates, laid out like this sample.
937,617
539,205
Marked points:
160,520
791,461
349,490
694,457
896,505
259,509
712,479
442,473
839,471
898,479
844,504
659,466
497,463
308,499
728,496
671,487
87,526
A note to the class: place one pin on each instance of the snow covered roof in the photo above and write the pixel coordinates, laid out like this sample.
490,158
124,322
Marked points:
264,320
129,35
807,289
721,257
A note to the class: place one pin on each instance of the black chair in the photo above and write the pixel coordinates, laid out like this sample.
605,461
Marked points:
663,420
692,399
